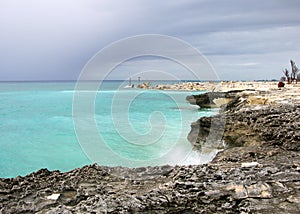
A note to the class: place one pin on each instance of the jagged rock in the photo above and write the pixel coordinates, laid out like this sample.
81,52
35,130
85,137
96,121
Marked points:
218,187
275,124
212,99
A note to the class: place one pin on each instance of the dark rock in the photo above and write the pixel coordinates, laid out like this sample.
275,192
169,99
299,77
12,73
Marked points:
218,187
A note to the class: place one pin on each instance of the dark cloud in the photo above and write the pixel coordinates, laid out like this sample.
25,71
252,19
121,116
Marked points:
54,39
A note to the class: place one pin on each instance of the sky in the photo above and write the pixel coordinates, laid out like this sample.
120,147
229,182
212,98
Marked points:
53,40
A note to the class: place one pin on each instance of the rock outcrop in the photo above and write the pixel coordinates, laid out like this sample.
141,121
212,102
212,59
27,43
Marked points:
249,119
276,124
212,99
224,186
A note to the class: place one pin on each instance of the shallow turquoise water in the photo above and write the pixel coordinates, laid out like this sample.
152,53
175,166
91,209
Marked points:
37,130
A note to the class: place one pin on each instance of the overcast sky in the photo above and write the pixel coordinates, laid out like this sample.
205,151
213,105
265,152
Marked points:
54,39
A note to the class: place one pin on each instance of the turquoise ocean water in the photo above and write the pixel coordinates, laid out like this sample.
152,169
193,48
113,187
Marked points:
37,130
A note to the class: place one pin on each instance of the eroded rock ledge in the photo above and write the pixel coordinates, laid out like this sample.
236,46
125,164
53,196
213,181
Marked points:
210,99
277,125
259,172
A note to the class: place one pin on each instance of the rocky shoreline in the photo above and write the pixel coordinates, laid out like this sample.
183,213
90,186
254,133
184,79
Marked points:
257,172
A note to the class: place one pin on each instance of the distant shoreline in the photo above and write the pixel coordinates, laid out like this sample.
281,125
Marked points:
159,80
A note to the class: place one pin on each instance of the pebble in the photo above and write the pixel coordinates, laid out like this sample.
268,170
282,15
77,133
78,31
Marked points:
53,196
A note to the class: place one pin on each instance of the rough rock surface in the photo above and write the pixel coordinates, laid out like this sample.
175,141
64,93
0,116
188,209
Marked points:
207,100
259,172
224,186
277,125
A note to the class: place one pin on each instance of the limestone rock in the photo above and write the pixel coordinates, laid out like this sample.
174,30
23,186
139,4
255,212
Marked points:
212,99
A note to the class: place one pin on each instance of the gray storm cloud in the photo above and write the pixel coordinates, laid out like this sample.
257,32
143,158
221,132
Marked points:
52,40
